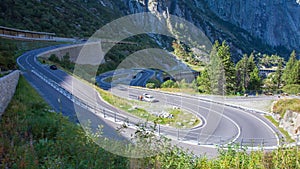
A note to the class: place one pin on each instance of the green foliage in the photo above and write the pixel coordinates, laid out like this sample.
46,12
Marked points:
65,18
286,104
228,65
33,137
203,81
292,89
255,81
169,84
243,70
155,81
150,85
11,49
278,74
185,54
291,74
268,61
221,70
54,58
216,72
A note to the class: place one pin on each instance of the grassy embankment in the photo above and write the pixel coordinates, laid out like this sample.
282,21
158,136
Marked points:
11,49
280,107
32,136
181,118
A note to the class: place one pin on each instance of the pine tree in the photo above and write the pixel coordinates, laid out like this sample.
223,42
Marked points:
229,68
290,72
255,81
241,74
204,83
216,72
278,73
251,64
296,72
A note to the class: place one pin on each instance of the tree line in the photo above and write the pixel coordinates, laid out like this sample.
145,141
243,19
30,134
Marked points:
222,76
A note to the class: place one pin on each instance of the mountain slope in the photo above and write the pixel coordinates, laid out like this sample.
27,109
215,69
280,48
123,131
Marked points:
267,27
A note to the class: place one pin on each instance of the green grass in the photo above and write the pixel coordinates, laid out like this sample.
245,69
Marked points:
285,133
32,136
181,118
11,49
286,104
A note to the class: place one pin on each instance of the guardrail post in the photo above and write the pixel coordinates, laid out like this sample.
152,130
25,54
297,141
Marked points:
104,113
198,137
158,126
241,143
115,116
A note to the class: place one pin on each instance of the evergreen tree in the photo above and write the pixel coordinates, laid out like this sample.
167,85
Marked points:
290,72
251,64
278,74
296,73
216,72
229,69
242,74
204,83
255,81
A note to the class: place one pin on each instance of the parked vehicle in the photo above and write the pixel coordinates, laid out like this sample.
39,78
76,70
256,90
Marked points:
53,67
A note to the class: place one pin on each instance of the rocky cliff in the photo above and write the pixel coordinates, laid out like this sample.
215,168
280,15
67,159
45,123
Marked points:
270,26
277,22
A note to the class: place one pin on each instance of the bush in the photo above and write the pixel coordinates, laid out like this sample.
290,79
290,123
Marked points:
169,84
292,89
54,58
150,85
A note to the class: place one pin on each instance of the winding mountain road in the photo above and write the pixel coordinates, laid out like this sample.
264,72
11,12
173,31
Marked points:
75,98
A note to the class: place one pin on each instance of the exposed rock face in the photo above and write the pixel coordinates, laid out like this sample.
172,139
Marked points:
246,25
275,21
291,123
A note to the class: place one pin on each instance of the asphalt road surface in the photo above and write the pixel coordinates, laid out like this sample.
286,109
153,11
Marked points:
221,124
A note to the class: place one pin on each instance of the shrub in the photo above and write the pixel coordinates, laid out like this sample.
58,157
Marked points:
150,85
292,89
54,58
169,84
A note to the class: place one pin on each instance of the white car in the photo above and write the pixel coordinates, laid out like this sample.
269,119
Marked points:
148,97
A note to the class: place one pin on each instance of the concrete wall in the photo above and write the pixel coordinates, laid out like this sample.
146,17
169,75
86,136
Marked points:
90,53
8,86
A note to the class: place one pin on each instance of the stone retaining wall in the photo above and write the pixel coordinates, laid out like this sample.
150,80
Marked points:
8,86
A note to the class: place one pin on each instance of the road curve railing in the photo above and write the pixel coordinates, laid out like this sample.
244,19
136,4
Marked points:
184,135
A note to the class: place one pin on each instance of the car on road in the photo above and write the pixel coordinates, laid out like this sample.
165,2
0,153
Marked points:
268,94
284,94
53,67
148,97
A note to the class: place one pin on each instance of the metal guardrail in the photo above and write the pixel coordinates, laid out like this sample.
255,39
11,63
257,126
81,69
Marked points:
173,133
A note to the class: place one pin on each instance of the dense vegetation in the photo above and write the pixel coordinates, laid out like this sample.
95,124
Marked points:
283,105
71,18
222,75
81,18
11,49
34,137
31,136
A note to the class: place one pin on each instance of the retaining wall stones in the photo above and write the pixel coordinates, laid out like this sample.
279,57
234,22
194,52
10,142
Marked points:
8,86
